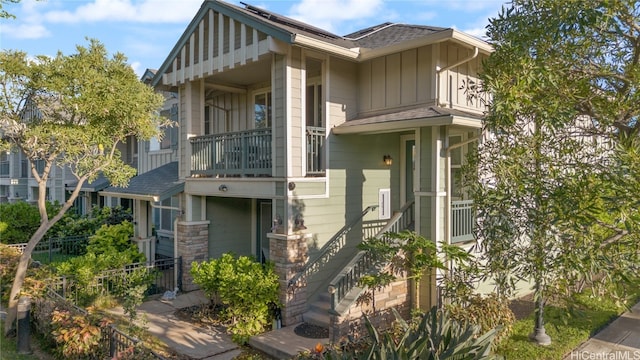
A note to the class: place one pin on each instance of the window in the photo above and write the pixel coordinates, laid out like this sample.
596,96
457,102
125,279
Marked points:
170,138
262,109
456,165
163,218
314,105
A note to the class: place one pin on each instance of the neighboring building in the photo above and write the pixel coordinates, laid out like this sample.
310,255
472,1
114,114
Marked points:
291,137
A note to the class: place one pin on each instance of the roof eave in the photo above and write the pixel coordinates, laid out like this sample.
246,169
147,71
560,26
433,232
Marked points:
437,37
309,42
150,198
402,125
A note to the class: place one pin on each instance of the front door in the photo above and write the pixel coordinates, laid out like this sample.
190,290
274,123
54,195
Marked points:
265,217
408,167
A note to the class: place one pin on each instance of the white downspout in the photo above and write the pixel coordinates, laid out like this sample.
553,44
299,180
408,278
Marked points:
440,70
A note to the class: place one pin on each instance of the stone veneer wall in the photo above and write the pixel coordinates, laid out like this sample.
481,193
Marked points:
351,324
289,254
193,245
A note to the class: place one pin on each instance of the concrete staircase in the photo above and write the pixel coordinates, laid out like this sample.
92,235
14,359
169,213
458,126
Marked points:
318,312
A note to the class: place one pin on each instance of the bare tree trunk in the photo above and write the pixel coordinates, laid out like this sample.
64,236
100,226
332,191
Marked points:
21,273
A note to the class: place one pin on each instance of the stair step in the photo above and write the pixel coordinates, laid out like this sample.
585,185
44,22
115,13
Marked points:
317,318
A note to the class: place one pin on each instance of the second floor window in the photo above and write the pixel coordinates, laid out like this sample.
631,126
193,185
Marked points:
314,105
262,109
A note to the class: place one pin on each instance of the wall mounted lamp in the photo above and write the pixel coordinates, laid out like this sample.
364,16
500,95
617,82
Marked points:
298,223
387,159
277,221
223,188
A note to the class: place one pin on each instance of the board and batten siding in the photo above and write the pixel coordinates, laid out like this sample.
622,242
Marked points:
342,94
400,79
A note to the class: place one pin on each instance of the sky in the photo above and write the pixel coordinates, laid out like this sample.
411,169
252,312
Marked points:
146,30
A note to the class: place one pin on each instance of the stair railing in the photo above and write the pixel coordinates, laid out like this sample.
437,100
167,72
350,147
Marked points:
327,251
363,262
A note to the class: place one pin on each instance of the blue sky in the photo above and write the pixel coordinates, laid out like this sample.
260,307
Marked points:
146,30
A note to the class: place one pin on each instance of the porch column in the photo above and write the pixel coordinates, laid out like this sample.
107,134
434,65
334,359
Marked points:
289,254
193,245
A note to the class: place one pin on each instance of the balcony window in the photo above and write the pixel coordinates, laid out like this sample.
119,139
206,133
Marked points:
314,105
262,109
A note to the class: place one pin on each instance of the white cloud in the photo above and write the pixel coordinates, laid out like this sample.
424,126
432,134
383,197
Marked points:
466,5
25,31
157,11
332,14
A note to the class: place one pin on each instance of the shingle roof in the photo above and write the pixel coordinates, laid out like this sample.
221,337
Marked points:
98,184
387,34
161,182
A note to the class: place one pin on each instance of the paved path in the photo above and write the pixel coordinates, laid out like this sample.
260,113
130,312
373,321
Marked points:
620,340
181,336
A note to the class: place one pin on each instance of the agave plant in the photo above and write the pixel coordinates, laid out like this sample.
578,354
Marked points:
432,336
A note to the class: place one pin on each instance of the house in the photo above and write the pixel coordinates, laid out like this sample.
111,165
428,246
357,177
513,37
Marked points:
295,144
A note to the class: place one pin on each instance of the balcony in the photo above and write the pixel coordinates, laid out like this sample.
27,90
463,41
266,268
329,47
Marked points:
248,153
462,221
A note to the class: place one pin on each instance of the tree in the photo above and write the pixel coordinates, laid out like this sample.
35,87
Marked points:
72,111
554,182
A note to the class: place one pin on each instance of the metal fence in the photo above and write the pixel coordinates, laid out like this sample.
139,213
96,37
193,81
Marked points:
166,275
56,249
113,341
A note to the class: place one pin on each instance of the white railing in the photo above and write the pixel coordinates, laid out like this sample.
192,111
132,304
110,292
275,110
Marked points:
462,221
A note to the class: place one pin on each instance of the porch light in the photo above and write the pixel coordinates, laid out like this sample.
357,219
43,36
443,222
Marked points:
14,181
223,188
298,223
387,159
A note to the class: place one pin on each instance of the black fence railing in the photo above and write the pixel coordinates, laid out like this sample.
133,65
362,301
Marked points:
113,341
166,275
56,249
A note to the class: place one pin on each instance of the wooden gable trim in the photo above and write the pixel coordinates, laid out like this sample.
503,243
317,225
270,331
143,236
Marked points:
234,14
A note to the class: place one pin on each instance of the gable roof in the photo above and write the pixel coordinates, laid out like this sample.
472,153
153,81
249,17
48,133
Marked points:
359,45
155,185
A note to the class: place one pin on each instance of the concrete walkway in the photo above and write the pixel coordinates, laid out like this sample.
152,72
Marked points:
181,336
619,340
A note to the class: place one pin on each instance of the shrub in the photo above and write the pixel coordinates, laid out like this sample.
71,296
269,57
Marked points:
75,336
487,312
432,336
245,287
110,248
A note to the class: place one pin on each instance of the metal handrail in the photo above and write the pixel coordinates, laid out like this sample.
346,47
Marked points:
363,262
327,251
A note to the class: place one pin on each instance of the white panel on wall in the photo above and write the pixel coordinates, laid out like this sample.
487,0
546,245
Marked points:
384,204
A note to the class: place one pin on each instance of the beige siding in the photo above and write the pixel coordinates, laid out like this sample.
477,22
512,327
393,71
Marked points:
296,93
400,79
455,81
278,91
342,91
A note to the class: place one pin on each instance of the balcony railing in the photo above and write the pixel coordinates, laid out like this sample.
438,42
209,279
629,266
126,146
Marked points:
249,153
462,221
235,154
315,149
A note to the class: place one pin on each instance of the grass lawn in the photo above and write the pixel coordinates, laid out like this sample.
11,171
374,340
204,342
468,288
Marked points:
567,331
9,350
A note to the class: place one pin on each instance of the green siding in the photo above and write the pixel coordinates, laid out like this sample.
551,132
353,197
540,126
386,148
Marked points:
230,226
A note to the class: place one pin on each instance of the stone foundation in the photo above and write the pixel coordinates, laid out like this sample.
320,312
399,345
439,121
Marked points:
289,254
351,324
193,245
